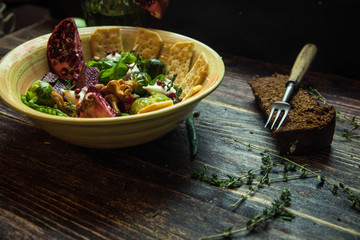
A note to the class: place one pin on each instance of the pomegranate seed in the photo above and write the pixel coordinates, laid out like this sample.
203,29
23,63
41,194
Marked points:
64,71
171,95
161,83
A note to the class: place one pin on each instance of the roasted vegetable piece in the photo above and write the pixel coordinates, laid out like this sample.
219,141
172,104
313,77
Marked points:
51,78
147,101
120,88
89,78
42,91
154,67
142,79
44,109
139,104
64,51
158,97
190,126
94,106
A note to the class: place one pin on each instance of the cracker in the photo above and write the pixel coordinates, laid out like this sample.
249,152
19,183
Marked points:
195,76
156,106
193,91
106,39
179,60
148,43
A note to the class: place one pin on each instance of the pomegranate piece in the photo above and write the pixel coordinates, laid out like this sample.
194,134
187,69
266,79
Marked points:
89,78
64,51
94,105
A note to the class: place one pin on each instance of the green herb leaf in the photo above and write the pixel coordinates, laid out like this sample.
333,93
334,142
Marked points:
114,73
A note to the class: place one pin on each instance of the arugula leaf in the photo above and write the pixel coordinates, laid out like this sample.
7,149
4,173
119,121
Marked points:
114,73
102,64
128,57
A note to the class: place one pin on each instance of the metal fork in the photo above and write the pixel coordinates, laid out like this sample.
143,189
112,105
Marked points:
301,65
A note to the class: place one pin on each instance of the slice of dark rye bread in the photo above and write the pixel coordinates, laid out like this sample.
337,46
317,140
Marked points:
307,127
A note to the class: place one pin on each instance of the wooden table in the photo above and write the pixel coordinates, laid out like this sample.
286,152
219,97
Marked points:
50,189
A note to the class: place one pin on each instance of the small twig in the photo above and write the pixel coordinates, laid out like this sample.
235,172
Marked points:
253,189
278,209
334,187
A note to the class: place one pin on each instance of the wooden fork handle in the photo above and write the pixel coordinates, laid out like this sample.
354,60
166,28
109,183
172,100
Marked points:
302,63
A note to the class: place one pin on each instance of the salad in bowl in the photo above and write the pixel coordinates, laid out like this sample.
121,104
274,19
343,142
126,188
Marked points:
115,82
109,86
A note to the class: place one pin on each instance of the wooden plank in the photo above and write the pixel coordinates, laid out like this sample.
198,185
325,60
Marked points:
51,189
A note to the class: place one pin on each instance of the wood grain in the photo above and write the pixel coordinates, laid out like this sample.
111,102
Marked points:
50,189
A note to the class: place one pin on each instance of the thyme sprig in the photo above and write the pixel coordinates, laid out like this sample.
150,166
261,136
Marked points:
69,84
171,82
252,189
258,177
254,179
231,182
277,209
322,180
340,116
352,197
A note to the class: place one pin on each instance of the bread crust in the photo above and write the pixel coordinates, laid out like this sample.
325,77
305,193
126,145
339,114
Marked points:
308,126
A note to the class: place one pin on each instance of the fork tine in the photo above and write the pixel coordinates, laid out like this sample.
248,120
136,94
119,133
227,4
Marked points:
269,118
277,116
282,119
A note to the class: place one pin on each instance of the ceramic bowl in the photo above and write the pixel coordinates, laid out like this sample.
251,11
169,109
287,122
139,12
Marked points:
28,62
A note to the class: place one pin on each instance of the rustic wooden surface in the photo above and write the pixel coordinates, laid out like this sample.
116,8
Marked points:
50,189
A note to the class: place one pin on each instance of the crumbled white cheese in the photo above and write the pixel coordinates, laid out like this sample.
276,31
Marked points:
160,89
133,68
155,88
113,57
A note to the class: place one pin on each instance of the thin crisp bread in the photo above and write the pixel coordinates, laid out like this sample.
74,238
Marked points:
156,106
104,40
179,60
195,76
193,91
148,44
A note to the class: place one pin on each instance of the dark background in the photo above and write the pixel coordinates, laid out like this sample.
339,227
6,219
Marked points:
268,30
